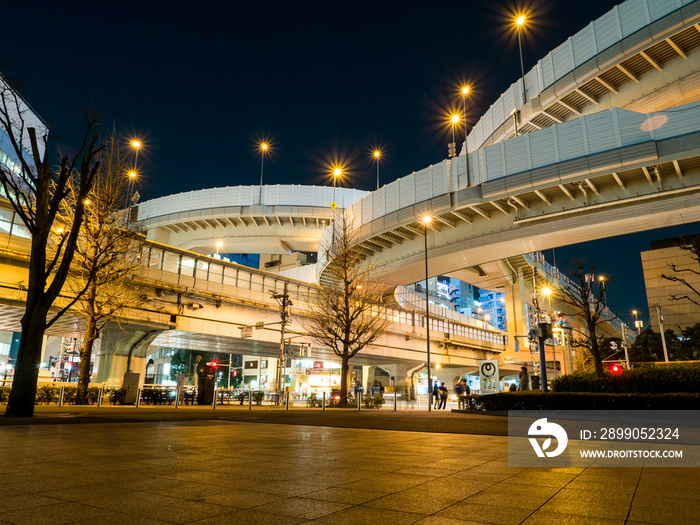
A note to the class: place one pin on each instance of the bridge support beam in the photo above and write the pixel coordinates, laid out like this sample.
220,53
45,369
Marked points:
123,351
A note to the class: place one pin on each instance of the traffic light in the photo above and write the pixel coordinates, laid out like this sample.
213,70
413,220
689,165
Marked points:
235,373
616,368
214,364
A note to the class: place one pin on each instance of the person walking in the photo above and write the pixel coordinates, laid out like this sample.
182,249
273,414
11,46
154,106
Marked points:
436,395
524,379
443,397
459,392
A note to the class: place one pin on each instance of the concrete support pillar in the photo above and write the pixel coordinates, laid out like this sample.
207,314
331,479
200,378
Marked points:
117,348
516,305
367,378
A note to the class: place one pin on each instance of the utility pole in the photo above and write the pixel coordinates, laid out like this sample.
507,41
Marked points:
661,329
284,303
541,333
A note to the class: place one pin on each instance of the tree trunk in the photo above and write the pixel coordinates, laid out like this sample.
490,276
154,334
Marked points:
26,375
344,380
85,357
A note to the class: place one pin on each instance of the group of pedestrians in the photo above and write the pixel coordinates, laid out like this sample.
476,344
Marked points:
440,392
439,396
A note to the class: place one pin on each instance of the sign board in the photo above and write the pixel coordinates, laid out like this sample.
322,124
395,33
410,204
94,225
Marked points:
488,374
333,205
246,331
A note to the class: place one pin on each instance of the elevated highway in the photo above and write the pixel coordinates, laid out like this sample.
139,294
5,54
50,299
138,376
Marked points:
197,302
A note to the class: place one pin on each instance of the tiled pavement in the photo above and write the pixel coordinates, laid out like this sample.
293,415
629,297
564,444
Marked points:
223,472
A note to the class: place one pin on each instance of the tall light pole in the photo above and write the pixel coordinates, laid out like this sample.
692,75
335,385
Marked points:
637,323
263,149
426,221
451,148
136,145
465,92
132,177
337,172
377,154
519,22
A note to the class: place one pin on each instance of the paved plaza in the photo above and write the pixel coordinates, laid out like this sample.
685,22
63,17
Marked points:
83,465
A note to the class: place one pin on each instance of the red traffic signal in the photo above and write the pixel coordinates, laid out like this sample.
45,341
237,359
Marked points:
214,364
235,373
616,369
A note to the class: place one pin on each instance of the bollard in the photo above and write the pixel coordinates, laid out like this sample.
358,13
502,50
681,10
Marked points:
138,397
323,402
177,397
100,392
60,397
286,407
393,387
358,397
213,403
250,400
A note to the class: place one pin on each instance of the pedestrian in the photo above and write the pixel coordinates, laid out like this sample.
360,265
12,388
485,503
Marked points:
459,391
436,395
524,379
467,393
443,397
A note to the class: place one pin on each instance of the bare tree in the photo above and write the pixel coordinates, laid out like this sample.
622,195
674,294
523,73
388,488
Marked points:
685,275
589,305
36,192
345,313
106,255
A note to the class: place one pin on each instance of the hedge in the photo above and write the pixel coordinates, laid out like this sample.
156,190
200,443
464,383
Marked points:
537,400
643,380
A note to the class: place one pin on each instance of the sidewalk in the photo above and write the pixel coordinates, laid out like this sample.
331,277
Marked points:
127,465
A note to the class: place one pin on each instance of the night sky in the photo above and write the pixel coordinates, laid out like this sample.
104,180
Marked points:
201,83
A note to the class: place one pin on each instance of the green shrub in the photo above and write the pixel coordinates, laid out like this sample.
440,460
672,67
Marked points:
536,400
644,380
69,394
5,393
258,397
46,394
313,401
116,395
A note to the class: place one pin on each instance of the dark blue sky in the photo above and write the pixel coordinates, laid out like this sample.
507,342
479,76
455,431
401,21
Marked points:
202,82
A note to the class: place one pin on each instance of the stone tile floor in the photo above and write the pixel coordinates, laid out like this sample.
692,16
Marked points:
222,472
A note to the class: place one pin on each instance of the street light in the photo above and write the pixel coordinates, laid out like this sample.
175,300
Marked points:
263,149
219,244
337,172
465,91
426,221
132,178
547,292
637,323
519,22
451,149
377,154
136,145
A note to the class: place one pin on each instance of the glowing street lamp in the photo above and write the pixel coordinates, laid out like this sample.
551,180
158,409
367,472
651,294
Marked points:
426,221
377,155
337,172
465,91
219,244
547,292
519,23
264,146
451,149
